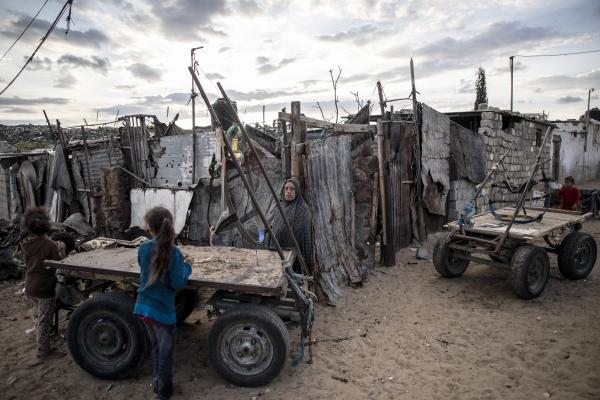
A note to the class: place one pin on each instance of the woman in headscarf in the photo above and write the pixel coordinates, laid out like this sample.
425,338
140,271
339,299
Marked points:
299,217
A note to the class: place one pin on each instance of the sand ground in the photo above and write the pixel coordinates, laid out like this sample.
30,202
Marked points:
407,334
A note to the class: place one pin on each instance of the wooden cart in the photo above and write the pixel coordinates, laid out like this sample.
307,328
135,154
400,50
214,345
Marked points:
521,248
248,344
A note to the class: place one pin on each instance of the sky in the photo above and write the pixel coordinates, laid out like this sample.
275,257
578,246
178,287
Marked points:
131,56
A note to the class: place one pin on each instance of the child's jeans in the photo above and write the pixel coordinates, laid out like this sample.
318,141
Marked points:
163,357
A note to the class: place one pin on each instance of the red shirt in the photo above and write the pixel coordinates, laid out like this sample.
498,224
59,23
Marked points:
569,197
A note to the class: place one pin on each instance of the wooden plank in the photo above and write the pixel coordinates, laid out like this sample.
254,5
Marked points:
336,128
227,268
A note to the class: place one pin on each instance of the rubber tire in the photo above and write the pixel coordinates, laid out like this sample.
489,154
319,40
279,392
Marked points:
117,305
521,262
185,302
567,251
268,321
442,261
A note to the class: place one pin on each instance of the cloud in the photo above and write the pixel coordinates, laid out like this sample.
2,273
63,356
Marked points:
261,94
214,75
144,71
517,66
154,104
187,19
18,110
466,86
39,63
95,63
19,101
224,49
360,35
248,7
510,35
267,67
569,99
66,80
537,90
584,81
124,87
89,38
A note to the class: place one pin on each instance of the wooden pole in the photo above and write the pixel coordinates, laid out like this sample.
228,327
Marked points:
381,102
52,134
511,60
417,153
87,185
382,176
587,120
298,138
285,150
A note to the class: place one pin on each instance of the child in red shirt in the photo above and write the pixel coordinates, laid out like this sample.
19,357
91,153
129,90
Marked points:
569,195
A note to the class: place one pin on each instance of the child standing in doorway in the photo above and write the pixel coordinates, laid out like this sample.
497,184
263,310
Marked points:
164,270
40,281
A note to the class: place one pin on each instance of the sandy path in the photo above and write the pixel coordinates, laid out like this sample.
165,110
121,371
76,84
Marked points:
407,334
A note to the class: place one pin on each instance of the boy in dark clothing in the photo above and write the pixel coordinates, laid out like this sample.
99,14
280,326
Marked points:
40,281
569,195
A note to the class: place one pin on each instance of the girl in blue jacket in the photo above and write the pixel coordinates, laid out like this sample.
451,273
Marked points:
164,270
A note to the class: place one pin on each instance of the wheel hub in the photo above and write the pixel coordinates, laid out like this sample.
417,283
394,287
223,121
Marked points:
106,338
246,349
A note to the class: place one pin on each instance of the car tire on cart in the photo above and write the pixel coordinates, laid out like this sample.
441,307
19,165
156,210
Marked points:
105,338
577,255
446,262
530,268
248,345
185,301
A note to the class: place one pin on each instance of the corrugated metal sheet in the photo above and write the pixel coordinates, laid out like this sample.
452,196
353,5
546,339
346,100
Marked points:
4,193
98,158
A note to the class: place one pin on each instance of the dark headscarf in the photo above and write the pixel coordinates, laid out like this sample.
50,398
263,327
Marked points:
299,216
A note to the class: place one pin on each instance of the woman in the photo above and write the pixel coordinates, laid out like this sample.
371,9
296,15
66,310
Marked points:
299,217
164,269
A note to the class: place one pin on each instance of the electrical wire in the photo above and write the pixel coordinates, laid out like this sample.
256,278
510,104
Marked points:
60,14
24,30
556,55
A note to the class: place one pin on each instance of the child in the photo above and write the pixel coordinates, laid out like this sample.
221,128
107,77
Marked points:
569,195
164,269
40,281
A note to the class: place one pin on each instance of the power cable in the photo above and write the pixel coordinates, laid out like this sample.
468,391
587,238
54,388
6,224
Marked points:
24,30
60,14
556,55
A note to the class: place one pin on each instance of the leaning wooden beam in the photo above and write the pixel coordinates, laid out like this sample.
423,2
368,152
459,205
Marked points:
382,176
336,128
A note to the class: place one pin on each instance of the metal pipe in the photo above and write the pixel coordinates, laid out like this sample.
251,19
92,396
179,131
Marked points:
237,165
269,184
89,179
511,59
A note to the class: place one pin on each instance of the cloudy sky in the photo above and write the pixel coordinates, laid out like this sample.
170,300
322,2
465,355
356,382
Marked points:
131,56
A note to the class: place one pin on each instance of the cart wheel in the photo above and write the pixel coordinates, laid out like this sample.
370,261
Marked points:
445,261
530,268
577,255
185,301
248,345
105,338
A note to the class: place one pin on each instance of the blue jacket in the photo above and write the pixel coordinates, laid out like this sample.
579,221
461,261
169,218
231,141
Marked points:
157,301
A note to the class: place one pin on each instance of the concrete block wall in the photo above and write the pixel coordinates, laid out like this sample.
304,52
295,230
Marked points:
517,136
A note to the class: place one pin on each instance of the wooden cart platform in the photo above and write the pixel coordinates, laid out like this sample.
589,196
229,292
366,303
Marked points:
487,224
227,268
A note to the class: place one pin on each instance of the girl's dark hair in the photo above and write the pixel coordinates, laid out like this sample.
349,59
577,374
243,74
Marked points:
570,179
37,221
160,221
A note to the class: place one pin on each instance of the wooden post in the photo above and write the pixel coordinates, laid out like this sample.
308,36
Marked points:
298,138
50,126
285,150
382,176
87,186
417,155
381,102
